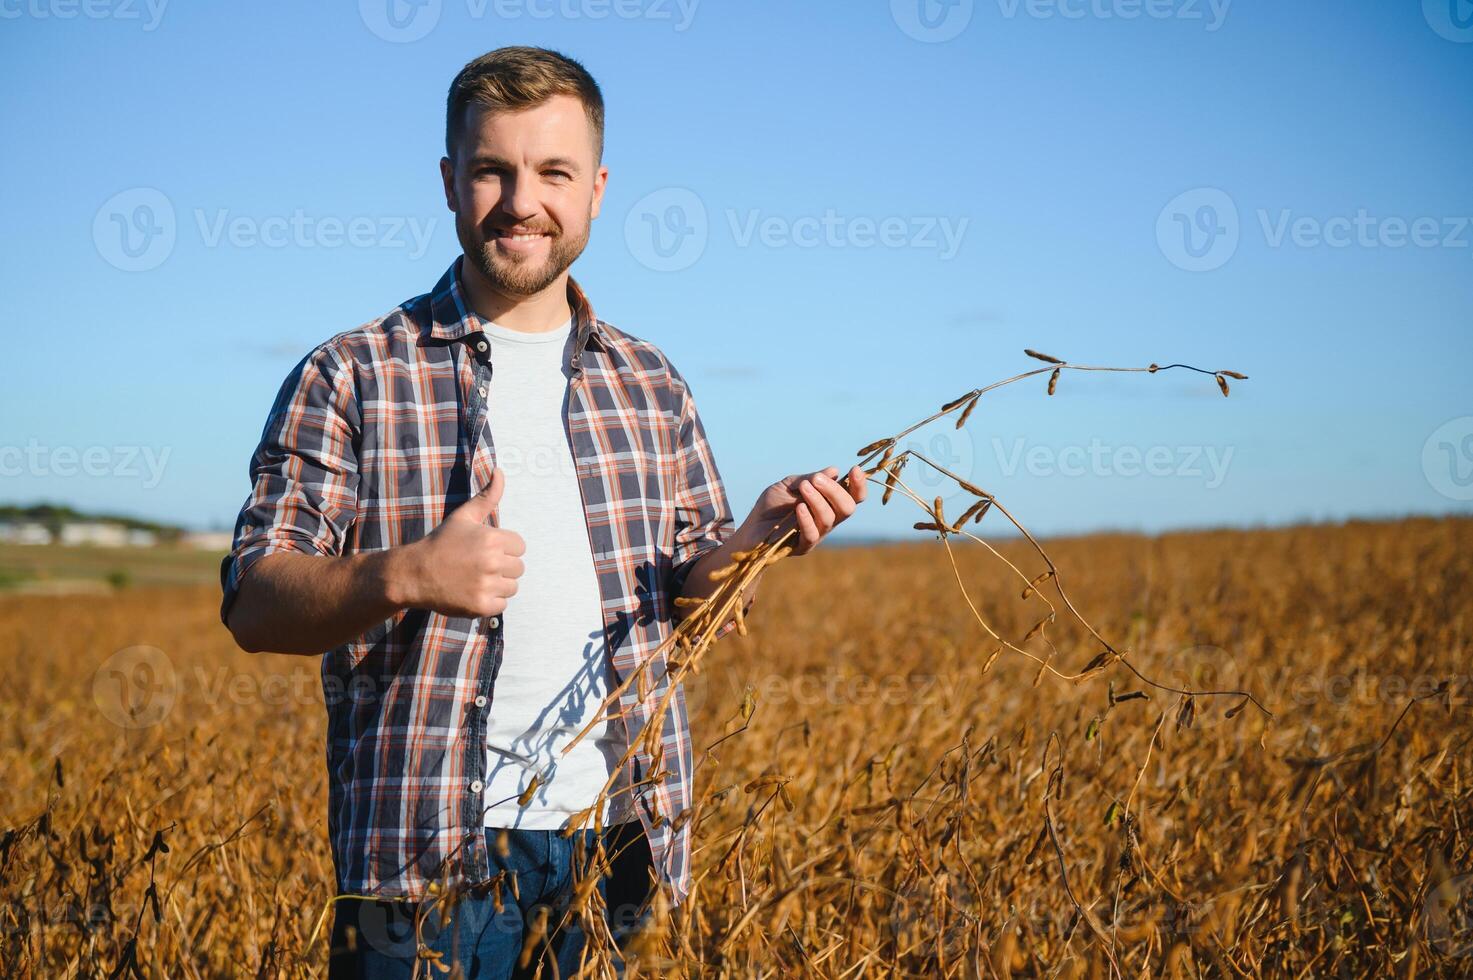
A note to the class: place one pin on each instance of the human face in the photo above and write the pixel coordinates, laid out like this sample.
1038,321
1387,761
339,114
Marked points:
525,187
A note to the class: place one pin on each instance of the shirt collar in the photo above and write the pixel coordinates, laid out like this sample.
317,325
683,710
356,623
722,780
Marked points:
452,319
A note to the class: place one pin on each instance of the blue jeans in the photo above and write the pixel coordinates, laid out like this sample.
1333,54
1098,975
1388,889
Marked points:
486,943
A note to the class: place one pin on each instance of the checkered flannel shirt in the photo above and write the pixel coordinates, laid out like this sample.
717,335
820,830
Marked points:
375,436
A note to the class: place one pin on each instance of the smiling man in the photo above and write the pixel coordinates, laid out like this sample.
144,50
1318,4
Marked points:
482,506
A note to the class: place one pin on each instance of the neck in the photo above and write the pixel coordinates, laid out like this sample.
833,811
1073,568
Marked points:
544,310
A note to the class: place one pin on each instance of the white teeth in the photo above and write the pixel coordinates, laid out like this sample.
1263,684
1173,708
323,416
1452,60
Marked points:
524,238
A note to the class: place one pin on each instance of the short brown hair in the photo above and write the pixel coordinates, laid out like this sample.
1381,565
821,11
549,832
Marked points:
515,78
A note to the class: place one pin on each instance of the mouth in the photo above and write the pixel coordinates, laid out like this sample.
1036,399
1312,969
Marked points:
518,240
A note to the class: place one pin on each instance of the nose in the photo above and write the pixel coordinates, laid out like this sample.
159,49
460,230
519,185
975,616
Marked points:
518,195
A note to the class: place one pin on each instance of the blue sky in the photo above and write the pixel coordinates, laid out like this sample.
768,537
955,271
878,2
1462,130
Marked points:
863,210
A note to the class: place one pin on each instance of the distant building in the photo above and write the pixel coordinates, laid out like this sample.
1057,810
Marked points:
24,532
208,540
99,534
62,526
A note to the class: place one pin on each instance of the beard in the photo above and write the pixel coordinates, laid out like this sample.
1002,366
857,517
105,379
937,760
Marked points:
520,275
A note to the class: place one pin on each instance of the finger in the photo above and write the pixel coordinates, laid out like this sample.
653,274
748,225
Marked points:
483,504
511,566
827,471
837,497
494,491
512,544
858,483
807,530
823,514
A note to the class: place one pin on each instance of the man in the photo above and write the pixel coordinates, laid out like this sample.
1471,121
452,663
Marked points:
483,506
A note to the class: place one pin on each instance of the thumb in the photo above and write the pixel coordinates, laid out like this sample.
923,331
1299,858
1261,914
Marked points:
485,503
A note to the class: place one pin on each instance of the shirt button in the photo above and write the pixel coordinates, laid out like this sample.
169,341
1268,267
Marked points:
480,700
481,346
482,390
494,622
476,786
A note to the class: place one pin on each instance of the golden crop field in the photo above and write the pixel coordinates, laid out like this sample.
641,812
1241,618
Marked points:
949,816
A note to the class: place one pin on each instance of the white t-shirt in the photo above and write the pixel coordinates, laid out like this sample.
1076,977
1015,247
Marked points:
555,669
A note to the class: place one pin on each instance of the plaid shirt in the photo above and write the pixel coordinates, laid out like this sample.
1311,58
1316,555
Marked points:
378,434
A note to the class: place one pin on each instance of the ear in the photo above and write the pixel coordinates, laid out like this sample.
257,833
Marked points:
447,174
600,180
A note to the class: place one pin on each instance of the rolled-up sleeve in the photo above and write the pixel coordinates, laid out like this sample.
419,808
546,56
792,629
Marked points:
703,520
304,472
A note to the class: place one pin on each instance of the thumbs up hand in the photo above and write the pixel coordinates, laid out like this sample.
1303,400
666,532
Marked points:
466,567
484,504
